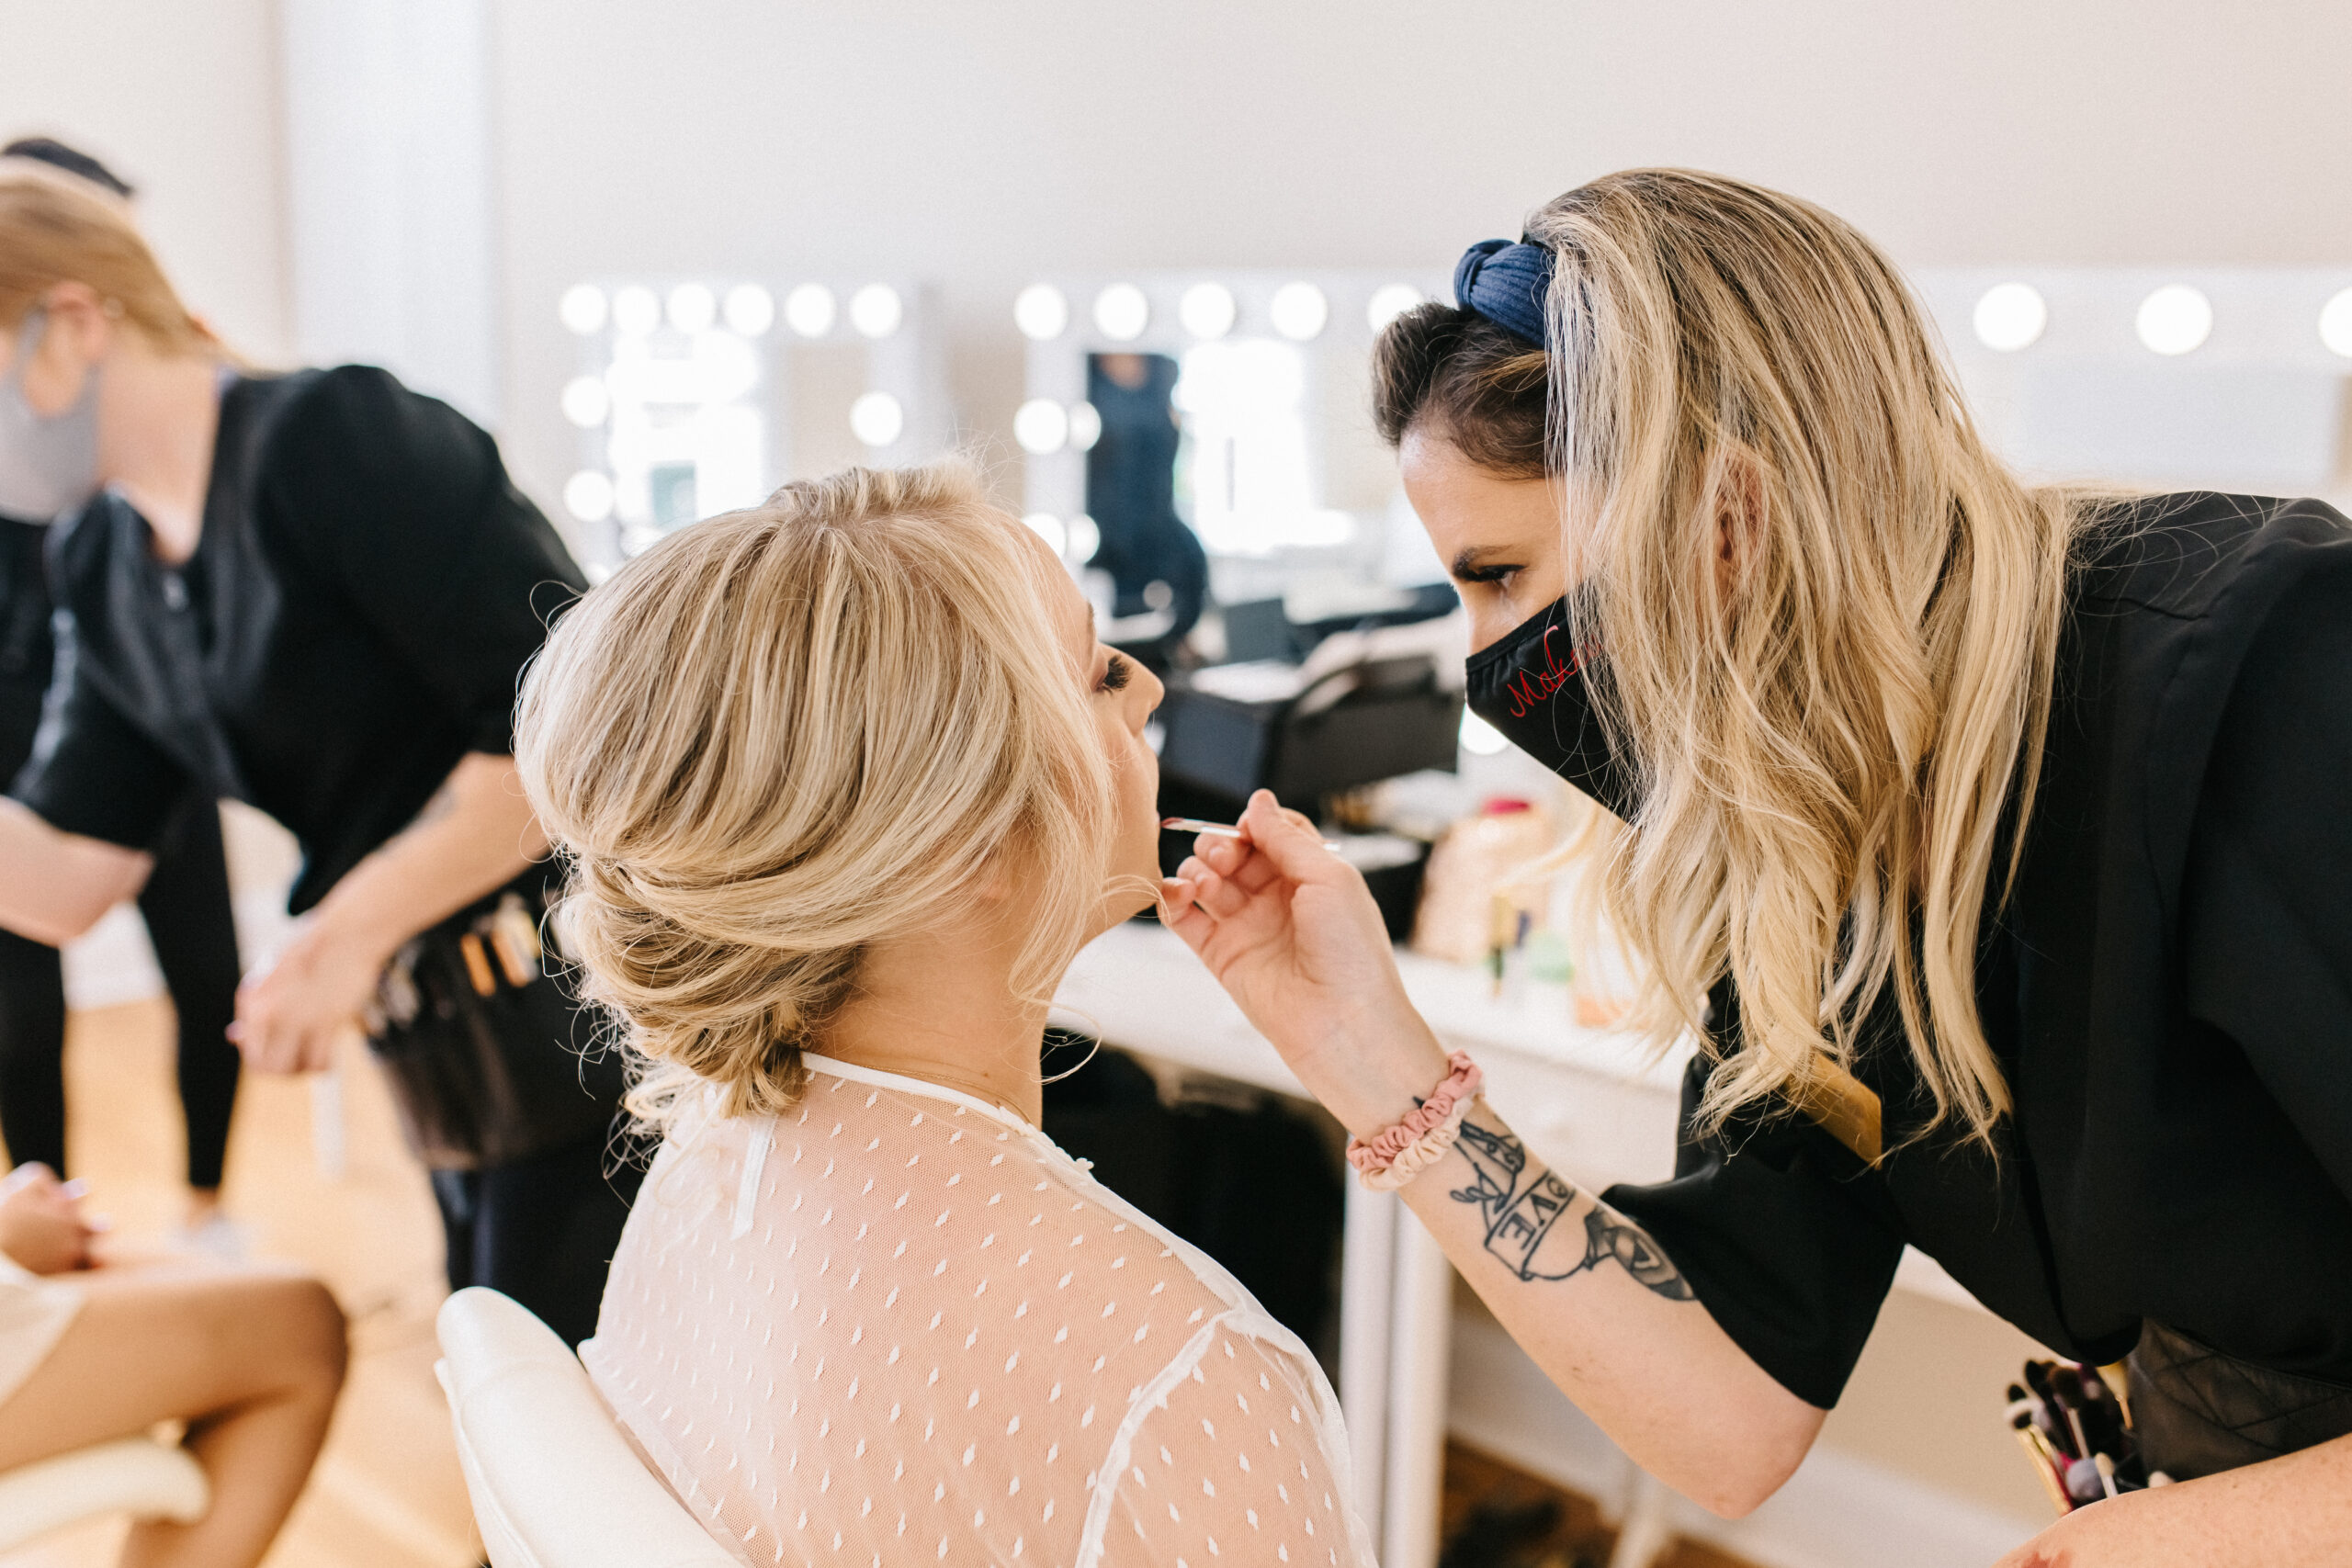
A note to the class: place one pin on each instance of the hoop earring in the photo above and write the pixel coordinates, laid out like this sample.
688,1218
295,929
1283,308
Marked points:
1080,1068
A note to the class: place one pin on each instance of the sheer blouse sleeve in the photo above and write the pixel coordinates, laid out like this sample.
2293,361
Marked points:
1225,1457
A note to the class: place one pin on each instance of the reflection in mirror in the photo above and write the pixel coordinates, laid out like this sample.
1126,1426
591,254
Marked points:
1158,569
690,399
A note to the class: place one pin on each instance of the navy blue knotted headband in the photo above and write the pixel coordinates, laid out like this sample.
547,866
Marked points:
1507,284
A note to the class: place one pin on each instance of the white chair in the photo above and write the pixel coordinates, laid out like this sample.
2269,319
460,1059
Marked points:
554,1482
132,1475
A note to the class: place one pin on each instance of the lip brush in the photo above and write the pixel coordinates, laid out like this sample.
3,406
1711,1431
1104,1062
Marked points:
1215,829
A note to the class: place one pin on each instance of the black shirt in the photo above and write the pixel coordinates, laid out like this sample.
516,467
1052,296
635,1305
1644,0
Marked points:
2169,991
366,590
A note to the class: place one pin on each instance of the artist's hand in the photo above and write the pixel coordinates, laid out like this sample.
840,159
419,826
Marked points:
2294,1511
291,1010
41,1221
1291,932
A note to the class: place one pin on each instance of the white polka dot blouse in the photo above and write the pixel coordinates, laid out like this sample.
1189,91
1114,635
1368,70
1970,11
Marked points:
898,1325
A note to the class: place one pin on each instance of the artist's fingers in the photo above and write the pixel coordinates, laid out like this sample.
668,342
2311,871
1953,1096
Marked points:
1288,839
1220,854
1217,896
1181,914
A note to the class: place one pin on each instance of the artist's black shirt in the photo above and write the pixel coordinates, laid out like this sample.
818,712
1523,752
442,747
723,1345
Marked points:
366,590
2169,990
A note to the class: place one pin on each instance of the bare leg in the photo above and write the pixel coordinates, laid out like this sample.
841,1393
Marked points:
250,1360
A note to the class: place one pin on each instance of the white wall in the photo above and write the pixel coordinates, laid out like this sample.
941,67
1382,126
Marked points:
181,99
981,142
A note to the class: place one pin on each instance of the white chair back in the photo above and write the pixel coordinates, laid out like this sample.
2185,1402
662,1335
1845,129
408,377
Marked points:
131,1475
554,1482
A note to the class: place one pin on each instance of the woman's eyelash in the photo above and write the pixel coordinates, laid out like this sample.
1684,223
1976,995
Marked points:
1115,676
1487,573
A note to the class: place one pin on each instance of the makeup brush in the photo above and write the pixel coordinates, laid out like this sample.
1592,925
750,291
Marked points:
1215,829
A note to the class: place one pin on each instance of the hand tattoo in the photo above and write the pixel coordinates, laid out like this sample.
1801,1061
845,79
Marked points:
1522,1205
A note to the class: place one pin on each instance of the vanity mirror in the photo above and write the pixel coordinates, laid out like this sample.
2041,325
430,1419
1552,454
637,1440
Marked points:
695,395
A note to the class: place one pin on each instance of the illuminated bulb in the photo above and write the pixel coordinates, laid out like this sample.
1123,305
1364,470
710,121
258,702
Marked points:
876,419
1299,310
1206,310
1041,312
1479,737
2175,319
635,312
751,309
588,495
584,308
2335,323
809,310
1085,539
1041,425
1048,527
875,311
2010,316
1389,302
1121,313
585,402
1085,426
693,308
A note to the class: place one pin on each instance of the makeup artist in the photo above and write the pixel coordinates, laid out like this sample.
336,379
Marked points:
314,593
1993,840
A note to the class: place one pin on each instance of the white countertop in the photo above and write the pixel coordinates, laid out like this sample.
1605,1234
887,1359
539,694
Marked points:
1594,1103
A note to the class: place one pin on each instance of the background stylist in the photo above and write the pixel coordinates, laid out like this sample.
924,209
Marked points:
1992,839
314,593
185,901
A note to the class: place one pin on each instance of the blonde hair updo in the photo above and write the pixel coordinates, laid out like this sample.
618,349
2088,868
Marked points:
785,734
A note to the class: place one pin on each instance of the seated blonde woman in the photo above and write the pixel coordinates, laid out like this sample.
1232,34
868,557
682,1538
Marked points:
249,1358
846,781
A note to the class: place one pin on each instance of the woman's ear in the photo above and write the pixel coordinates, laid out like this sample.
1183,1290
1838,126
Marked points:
76,332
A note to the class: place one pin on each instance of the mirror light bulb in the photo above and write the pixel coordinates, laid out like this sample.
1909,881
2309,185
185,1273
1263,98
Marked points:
1206,310
809,310
1390,301
1085,539
584,308
1041,312
1085,426
1041,426
1121,313
1299,310
2176,319
636,310
2335,323
2009,317
1479,737
586,402
876,311
751,309
1048,527
588,495
876,420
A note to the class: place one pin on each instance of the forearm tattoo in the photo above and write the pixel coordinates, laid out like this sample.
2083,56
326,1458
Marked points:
1522,1205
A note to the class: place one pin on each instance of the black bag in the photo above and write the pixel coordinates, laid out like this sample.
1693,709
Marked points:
2199,1411
491,1056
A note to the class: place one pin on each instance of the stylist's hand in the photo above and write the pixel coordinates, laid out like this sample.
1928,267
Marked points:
291,1010
1291,932
41,1221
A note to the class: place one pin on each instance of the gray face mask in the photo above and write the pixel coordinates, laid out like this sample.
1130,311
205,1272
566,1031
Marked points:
48,463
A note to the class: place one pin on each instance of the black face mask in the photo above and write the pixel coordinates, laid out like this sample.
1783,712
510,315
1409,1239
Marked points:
1531,685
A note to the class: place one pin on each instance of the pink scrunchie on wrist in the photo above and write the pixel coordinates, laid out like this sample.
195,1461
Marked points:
1397,1154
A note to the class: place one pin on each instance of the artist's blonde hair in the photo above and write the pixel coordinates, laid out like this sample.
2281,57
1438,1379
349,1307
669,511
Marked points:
785,734
57,227
1831,738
